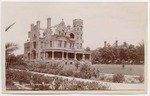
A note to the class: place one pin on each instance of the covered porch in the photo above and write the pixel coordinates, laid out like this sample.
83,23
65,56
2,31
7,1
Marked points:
64,55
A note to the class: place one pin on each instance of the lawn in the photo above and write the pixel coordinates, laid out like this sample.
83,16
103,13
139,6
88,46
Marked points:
114,69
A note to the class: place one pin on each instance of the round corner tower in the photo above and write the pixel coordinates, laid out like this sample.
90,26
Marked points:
78,25
77,28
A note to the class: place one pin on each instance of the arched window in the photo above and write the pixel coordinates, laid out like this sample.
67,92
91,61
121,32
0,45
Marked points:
34,45
72,35
34,36
59,32
34,54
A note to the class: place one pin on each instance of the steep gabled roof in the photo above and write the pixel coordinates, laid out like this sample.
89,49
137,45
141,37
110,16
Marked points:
56,37
61,26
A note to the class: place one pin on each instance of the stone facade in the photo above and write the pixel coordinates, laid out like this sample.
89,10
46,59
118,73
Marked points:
59,42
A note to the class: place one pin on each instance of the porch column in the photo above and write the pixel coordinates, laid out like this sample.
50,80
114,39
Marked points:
44,55
53,55
75,56
66,55
83,56
62,55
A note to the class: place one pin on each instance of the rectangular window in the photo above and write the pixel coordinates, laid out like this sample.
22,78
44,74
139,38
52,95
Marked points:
41,44
51,45
77,36
59,43
77,45
81,45
28,48
70,45
45,44
65,44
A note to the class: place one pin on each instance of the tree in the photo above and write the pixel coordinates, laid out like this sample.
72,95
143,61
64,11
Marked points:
96,56
9,49
127,52
139,53
87,49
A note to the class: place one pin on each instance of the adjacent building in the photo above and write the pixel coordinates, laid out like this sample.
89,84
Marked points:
57,43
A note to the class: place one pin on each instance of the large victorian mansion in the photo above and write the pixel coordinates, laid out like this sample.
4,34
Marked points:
58,43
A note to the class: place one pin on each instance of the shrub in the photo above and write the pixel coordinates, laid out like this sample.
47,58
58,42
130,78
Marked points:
102,76
141,79
41,66
77,63
97,86
80,85
85,68
66,73
40,86
21,76
119,78
62,72
69,72
12,61
55,71
58,82
44,82
93,86
77,74
85,75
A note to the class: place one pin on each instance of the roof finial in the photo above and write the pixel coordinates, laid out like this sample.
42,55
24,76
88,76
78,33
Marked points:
62,19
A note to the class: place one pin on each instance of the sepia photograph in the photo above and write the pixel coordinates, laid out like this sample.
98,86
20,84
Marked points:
82,47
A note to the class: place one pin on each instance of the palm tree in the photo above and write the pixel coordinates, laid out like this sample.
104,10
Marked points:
10,47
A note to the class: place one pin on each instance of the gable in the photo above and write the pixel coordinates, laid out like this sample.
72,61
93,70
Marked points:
61,28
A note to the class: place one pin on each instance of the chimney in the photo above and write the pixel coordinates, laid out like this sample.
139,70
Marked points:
124,44
116,43
105,42
29,34
48,23
68,27
32,25
38,24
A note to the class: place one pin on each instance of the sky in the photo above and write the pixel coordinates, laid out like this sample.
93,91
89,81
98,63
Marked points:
125,22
